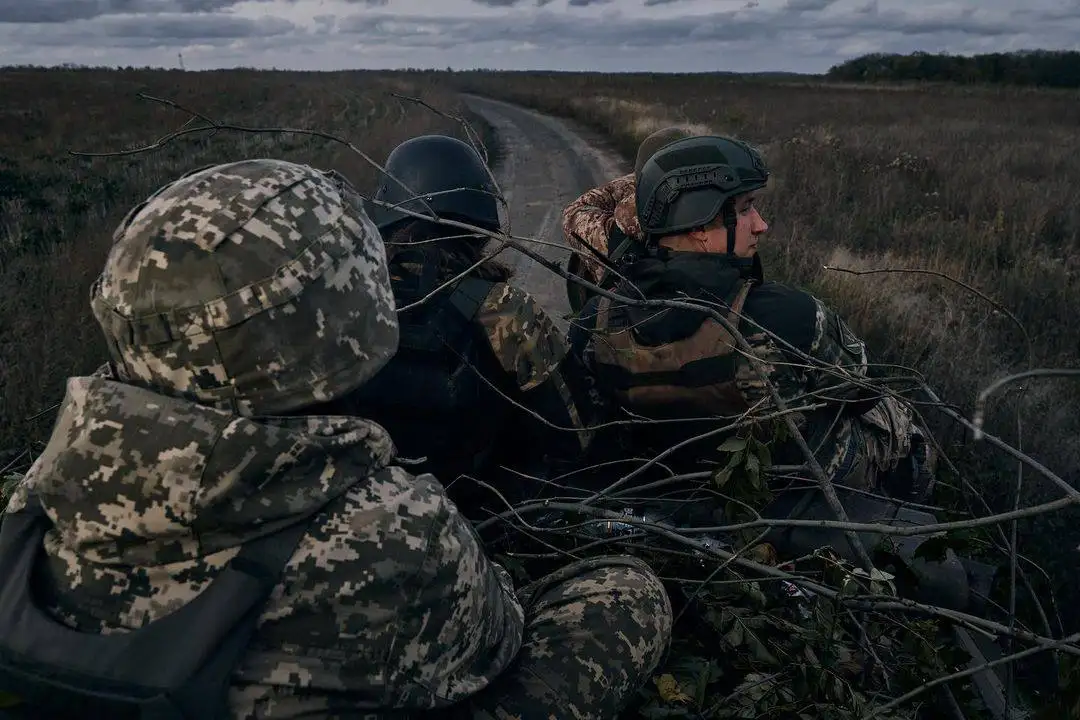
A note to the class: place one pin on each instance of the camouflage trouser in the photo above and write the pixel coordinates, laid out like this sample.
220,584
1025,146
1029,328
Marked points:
595,631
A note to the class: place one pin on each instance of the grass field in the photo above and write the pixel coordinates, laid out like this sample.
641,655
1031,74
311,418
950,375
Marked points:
57,211
978,184
975,184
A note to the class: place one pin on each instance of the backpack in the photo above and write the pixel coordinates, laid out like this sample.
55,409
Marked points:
178,667
435,395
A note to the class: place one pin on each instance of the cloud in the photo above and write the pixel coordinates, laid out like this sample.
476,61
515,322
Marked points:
516,3
605,35
807,5
59,11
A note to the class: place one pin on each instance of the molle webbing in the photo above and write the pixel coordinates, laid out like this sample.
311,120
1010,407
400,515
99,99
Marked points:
695,374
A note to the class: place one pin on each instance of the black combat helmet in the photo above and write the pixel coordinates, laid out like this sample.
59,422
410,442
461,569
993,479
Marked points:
436,164
688,183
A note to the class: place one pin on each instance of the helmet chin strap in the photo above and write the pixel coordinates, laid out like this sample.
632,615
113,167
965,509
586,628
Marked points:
730,223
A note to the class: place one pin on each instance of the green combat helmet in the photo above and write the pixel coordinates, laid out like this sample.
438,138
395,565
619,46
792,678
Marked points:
689,183
257,287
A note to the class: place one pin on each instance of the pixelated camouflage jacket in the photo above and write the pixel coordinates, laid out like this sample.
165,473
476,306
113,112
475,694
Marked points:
588,220
388,602
530,349
778,322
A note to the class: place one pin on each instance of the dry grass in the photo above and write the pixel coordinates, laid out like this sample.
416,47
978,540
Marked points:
976,183
57,211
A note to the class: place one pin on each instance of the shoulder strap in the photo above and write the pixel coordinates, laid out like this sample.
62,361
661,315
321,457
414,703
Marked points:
164,670
469,295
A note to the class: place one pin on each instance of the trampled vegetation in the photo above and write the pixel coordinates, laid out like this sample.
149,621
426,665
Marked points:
969,184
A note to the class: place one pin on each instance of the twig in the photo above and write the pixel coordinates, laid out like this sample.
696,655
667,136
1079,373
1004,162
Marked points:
1049,645
980,401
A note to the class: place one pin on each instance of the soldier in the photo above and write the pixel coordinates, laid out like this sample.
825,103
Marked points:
204,545
473,345
700,230
602,218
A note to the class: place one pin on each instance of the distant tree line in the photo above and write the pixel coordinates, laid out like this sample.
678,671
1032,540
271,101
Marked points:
1047,68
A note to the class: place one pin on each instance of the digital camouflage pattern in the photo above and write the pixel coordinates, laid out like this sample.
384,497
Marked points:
588,220
389,603
530,349
210,280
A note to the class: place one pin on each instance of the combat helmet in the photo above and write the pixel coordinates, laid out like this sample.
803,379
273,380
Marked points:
690,182
448,173
258,287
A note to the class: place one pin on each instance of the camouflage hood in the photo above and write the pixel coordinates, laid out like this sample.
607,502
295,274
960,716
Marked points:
132,477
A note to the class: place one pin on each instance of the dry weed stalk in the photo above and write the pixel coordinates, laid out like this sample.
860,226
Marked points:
784,412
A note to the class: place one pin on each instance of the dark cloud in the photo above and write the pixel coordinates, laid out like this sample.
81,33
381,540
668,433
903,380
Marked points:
511,3
58,11
199,27
171,31
558,31
808,5
513,33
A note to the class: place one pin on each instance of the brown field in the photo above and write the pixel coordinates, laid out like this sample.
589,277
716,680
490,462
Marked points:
977,184
57,211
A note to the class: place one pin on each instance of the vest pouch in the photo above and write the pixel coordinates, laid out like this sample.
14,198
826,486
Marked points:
687,377
175,668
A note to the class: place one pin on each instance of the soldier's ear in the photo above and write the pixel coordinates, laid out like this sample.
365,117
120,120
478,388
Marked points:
699,236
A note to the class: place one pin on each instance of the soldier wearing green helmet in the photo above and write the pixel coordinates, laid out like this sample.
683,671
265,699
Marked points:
699,233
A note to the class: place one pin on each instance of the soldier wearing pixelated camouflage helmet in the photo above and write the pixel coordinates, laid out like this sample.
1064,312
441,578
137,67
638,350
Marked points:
700,229
214,548
601,218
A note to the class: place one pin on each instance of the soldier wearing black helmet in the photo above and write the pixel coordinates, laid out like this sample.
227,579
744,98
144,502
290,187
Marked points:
700,230
477,381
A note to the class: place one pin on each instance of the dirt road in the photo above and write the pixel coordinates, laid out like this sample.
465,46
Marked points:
546,163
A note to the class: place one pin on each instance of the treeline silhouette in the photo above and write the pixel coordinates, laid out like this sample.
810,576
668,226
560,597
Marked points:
1046,68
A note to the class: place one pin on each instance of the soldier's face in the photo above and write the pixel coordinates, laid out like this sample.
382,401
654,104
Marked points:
749,227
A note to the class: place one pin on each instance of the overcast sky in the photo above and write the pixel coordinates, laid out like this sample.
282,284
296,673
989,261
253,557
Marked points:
604,35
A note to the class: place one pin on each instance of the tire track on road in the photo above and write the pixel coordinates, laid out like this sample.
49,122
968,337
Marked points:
546,163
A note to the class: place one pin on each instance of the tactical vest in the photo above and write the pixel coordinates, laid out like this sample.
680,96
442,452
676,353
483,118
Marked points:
178,667
691,376
431,396
618,246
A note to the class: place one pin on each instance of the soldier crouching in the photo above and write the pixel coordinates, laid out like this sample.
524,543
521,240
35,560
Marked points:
204,546
700,228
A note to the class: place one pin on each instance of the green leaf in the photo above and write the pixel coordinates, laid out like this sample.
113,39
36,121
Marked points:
764,455
733,444
753,469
